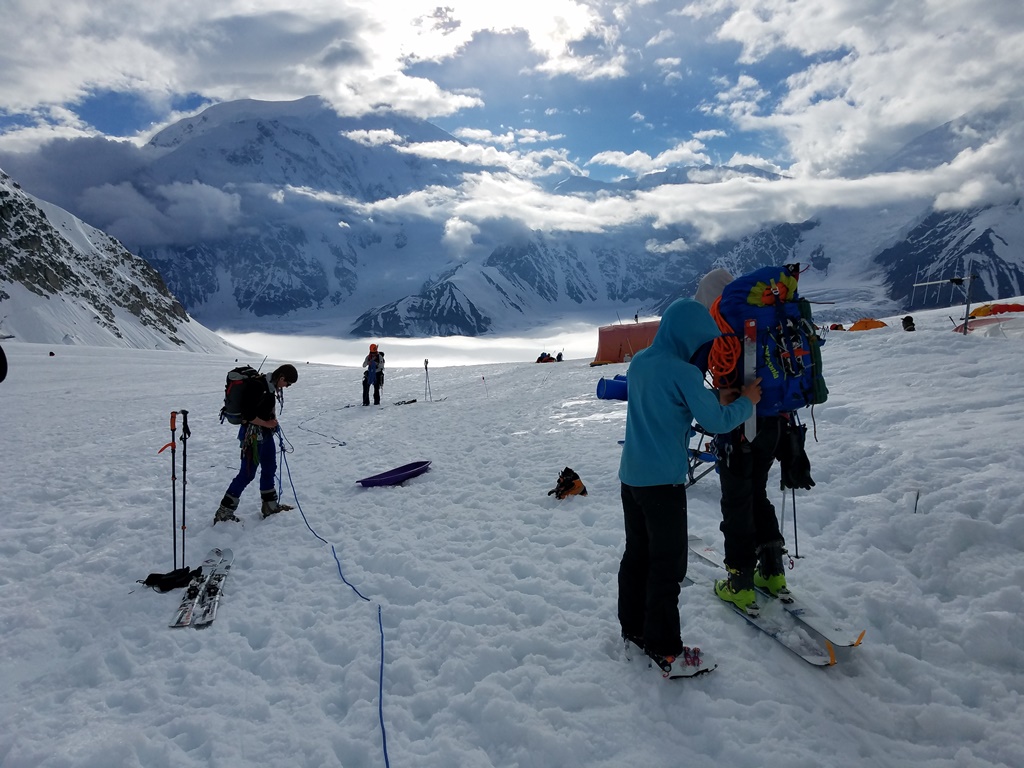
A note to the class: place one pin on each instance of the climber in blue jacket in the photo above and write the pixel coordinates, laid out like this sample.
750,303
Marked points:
667,394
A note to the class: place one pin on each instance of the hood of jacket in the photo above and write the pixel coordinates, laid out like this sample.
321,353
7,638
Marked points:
685,327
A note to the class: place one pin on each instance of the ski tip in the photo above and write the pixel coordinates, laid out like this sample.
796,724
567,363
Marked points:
860,638
831,653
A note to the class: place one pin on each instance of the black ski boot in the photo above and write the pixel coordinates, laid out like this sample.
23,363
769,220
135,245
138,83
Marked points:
271,506
226,512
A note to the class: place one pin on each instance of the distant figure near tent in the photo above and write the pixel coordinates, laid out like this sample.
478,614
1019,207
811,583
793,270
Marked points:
618,343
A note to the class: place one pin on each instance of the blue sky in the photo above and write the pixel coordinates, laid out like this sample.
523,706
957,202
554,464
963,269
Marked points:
822,91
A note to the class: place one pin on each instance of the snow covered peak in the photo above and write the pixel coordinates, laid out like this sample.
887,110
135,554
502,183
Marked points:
65,282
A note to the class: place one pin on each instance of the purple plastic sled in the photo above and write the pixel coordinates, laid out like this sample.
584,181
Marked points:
396,476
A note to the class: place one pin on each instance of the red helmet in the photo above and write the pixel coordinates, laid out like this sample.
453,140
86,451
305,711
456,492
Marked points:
373,347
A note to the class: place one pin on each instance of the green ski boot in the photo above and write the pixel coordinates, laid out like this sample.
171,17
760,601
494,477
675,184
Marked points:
738,589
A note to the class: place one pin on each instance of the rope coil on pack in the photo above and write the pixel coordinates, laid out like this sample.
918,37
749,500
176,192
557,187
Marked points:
726,350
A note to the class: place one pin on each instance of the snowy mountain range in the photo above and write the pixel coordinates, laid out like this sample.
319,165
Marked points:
62,281
284,216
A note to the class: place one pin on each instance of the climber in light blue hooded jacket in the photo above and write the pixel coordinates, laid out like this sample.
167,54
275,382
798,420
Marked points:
666,395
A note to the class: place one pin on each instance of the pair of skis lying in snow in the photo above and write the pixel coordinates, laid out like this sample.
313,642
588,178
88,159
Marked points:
198,607
797,624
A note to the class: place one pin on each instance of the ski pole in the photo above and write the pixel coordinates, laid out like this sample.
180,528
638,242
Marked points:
426,387
186,433
174,490
796,539
485,386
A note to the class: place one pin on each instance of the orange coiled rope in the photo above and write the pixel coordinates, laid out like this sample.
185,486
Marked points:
726,350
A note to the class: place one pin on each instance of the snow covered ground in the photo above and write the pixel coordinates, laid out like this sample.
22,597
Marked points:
495,602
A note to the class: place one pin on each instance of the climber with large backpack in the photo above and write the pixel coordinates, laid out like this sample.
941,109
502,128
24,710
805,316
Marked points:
250,401
374,374
767,332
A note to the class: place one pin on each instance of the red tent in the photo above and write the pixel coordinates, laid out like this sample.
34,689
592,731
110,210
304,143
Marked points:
618,343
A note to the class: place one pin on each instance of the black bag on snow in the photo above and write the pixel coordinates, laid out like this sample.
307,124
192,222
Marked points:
176,579
569,484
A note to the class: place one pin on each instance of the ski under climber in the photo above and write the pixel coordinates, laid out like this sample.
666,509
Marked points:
374,365
666,395
256,435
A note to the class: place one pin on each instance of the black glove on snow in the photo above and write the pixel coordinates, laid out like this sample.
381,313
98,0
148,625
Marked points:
793,461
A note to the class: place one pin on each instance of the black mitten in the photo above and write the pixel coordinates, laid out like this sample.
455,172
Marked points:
793,461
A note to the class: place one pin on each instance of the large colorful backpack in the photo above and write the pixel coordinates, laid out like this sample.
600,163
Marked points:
763,312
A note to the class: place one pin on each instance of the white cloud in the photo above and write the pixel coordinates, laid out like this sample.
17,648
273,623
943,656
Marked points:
374,138
526,164
676,246
459,234
878,72
190,212
662,36
755,161
534,136
686,153
507,139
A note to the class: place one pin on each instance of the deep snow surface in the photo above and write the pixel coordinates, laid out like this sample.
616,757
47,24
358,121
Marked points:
497,602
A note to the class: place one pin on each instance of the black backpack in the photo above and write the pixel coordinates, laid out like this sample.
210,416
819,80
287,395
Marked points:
233,389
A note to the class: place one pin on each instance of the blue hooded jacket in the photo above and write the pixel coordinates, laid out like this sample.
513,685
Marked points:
667,394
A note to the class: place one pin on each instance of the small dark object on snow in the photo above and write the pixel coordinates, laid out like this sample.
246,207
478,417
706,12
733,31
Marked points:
908,323
176,579
569,484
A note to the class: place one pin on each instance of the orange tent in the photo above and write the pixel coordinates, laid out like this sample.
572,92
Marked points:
617,343
996,309
866,324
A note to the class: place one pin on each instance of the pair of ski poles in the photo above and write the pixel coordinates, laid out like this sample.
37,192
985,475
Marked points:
185,434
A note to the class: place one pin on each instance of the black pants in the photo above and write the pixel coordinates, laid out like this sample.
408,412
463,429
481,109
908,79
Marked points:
748,517
376,387
652,566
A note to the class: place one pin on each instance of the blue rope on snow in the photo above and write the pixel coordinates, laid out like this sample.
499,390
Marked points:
380,622
380,688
